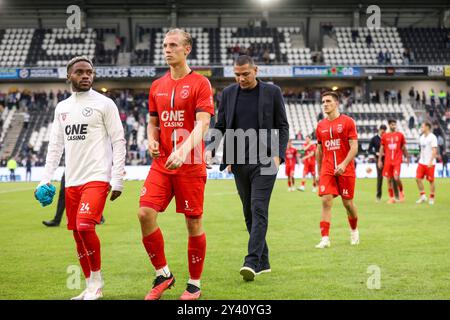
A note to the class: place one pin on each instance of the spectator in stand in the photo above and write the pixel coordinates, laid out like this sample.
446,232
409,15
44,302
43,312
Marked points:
388,57
369,40
266,56
399,96
424,98
26,119
448,99
442,95
380,57
411,95
411,123
387,95
355,34
432,98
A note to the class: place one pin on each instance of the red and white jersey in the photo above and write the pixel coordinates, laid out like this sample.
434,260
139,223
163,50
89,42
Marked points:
334,138
291,156
393,143
175,103
427,143
310,149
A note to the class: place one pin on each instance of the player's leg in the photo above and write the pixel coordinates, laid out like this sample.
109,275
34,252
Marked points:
155,196
313,174
305,173
325,221
387,173
196,257
352,216
430,178
73,196
399,183
419,180
189,196
347,191
90,211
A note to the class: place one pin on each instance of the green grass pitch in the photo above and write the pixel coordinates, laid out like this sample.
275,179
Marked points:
409,244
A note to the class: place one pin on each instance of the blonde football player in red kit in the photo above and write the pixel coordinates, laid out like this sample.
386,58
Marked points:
337,146
180,105
291,159
309,163
393,147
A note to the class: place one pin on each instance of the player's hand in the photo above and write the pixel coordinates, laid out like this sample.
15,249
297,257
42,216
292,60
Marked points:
114,194
430,165
407,161
380,164
153,149
175,160
208,159
277,161
340,169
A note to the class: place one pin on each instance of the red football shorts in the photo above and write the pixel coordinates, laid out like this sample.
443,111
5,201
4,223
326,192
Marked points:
160,188
424,170
391,169
85,202
343,186
309,168
290,170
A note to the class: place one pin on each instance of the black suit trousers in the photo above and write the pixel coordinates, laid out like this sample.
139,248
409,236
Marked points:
255,191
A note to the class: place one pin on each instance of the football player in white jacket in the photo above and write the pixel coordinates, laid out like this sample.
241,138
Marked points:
88,127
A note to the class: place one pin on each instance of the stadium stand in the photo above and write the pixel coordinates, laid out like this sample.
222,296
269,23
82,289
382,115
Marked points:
429,45
364,46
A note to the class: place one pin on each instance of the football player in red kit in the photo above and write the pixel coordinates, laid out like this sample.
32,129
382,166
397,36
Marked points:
290,162
393,147
337,146
309,163
180,105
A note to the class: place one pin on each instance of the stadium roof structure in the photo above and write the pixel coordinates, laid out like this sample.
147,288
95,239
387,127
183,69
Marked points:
217,4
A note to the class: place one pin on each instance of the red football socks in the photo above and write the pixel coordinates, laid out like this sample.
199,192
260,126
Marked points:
391,192
196,255
353,222
431,195
154,245
82,255
324,228
91,243
400,186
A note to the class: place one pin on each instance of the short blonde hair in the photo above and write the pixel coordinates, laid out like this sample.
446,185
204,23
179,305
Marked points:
186,35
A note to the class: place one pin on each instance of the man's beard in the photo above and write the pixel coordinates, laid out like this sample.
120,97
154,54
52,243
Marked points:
78,88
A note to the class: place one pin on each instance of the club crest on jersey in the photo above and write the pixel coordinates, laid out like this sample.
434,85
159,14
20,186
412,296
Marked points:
184,93
64,116
87,111
340,128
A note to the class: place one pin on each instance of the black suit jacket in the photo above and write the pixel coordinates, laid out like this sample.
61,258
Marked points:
271,115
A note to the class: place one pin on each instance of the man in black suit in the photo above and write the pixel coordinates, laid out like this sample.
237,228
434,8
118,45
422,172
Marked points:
253,118
374,148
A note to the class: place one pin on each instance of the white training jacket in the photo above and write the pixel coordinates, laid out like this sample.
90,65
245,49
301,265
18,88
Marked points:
88,127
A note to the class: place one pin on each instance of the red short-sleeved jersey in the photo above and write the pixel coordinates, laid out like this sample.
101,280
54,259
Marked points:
311,149
175,103
393,143
334,138
291,156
